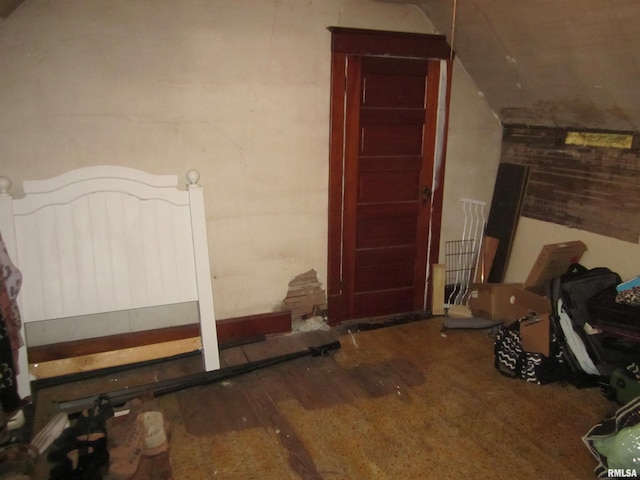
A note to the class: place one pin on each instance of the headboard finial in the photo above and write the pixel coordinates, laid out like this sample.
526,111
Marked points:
5,186
193,176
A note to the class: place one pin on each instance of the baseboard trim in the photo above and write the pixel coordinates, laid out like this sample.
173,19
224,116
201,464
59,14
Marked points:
236,330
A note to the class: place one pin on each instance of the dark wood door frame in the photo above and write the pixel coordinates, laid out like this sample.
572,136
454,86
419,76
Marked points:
356,42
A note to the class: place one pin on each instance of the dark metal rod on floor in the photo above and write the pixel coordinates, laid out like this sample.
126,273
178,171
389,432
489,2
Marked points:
174,385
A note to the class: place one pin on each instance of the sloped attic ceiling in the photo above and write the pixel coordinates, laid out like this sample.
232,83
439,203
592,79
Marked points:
565,63
549,62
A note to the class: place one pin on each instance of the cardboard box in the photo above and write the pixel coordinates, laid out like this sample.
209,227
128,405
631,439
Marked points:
511,302
554,260
491,300
534,334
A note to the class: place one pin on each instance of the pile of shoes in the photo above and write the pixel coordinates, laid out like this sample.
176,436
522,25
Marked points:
135,448
139,443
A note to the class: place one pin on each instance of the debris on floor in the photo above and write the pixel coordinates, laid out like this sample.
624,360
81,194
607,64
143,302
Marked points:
310,324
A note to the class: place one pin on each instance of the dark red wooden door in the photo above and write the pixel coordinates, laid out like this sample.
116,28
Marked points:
381,183
389,254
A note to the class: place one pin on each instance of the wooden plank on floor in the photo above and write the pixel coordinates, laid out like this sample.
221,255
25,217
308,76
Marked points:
290,343
273,381
407,371
234,395
204,411
300,459
262,350
338,381
377,380
114,358
230,357
182,367
308,382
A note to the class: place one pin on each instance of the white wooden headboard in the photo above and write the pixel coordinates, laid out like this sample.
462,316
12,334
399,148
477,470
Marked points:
109,238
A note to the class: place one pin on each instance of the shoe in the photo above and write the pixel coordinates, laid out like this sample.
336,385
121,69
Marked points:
120,425
97,441
146,424
157,467
90,421
16,421
144,441
117,435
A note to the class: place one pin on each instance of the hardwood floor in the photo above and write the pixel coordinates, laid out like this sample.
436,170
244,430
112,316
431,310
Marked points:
400,402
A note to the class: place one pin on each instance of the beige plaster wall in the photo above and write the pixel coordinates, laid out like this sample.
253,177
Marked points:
474,142
531,235
236,89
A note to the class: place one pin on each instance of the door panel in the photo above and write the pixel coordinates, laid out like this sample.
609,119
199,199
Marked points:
374,116
376,187
390,139
380,277
381,174
385,180
382,231
389,171
382,302
394,91
392,267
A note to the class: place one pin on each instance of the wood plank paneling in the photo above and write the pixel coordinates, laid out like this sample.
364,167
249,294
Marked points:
595,189
104,251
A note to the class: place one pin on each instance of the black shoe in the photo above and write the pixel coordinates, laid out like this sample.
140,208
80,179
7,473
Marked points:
97,441
92,421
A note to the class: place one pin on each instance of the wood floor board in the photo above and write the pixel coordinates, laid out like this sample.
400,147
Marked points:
339,382
299,458
230,357
182,367
275,383
196,405
407,371
377,380
261,350
292,343
234,395
308,383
